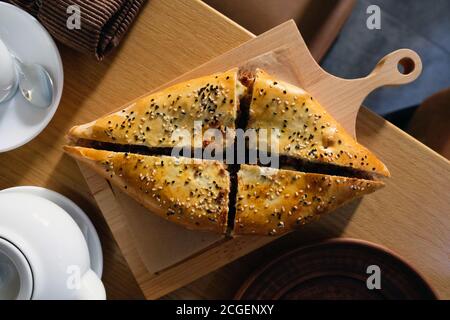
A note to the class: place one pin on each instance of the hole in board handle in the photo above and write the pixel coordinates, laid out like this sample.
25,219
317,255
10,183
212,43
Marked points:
406,66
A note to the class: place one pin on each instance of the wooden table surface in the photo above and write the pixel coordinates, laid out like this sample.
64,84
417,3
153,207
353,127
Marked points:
173,37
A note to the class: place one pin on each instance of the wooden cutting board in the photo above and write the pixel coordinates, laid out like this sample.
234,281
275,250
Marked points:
164,257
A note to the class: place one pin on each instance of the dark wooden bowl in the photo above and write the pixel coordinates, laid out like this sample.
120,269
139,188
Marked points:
336,269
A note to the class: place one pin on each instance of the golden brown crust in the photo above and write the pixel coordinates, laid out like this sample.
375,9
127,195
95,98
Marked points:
195,193
152,120
273,201
307,130
190,192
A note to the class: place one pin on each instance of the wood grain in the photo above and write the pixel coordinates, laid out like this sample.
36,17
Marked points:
282,52
409,216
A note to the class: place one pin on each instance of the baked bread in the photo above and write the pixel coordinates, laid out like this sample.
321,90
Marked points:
307,131
275,201
129,148
152,121
190,192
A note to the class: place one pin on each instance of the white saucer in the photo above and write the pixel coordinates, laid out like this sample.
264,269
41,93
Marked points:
81,219
27,39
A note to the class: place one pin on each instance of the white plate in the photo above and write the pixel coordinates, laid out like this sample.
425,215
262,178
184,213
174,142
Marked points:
26,38
81,219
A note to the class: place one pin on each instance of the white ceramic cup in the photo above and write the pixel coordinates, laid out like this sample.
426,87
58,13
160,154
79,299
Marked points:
16,279
43,253
8,74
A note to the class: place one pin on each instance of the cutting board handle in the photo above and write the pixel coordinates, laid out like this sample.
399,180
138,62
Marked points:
399,67
343,97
